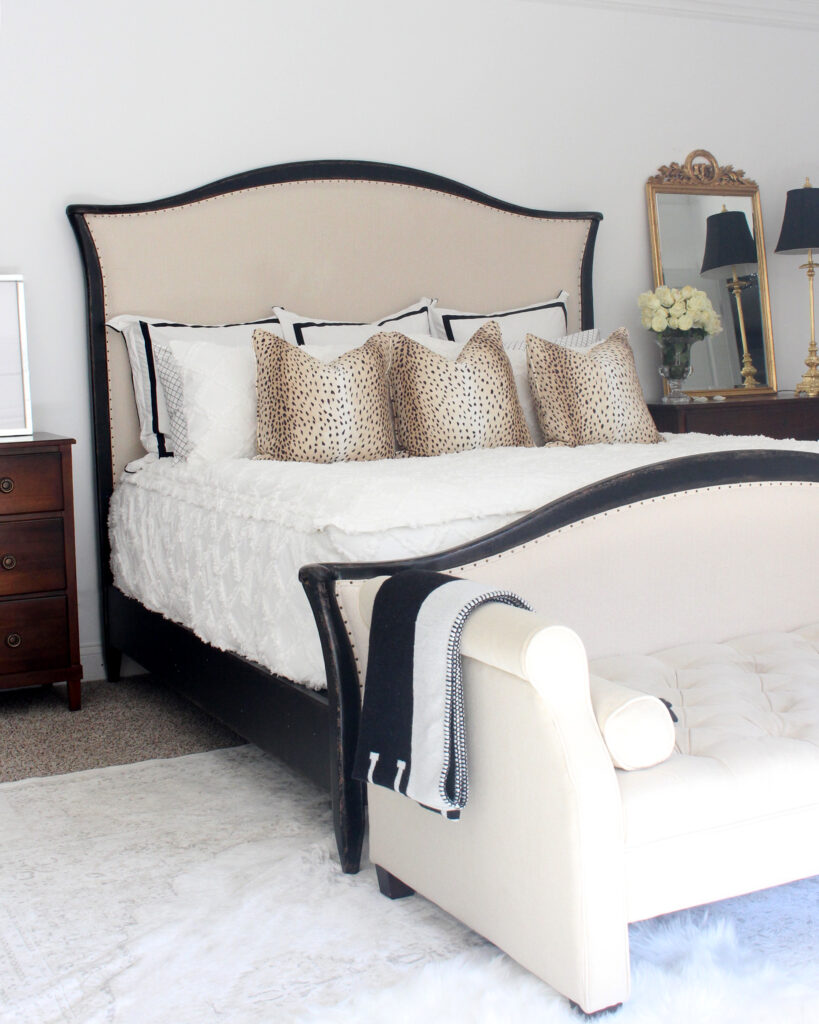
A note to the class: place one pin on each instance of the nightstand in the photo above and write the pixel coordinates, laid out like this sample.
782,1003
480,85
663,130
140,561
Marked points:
780,415
39,633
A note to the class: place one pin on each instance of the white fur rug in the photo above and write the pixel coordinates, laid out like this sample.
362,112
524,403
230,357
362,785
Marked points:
205,889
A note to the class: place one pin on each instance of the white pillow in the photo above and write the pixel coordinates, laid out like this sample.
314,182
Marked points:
549,316
637,727
216,418
303,330
141,334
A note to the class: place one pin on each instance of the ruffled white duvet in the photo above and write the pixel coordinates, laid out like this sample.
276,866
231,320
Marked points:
217,546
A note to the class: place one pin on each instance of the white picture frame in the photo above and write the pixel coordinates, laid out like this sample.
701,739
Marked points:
15,393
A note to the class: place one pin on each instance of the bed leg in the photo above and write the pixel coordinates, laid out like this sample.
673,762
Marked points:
391,886
113,663
348,815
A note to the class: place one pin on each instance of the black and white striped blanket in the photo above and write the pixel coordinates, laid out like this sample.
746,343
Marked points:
412,736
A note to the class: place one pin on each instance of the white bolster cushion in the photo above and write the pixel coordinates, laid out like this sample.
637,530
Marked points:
637,727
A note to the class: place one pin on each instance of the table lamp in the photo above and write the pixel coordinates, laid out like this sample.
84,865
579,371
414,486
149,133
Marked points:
730,244
800,233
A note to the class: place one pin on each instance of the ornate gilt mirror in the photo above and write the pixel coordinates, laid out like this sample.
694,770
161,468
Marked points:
738,361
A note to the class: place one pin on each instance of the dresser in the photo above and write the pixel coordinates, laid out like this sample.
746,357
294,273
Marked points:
781,415
39,633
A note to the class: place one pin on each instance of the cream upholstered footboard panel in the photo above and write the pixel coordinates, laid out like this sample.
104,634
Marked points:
556,851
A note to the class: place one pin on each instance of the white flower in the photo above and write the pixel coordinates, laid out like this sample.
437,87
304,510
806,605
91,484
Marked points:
664,295
673,322
685,322
677,309
646,318
659,322
687,292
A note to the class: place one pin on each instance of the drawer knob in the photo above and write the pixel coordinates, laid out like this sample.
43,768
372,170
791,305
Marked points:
13,640
8,561
6,485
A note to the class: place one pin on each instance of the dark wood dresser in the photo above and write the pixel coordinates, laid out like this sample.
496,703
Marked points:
39,633
781,415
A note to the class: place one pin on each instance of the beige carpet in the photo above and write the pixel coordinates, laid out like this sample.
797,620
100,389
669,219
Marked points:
120,723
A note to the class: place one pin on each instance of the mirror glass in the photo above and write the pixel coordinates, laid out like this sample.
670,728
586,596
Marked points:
739,361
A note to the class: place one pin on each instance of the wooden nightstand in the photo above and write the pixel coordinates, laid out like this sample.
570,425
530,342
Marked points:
780,415
39,633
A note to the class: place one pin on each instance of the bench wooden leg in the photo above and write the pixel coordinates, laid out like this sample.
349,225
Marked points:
391,886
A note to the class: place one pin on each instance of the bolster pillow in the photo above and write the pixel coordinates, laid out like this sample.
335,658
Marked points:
637,727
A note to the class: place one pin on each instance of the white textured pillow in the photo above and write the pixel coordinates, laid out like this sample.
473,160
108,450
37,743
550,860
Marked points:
218,399
303,330
141,334
550,316
637,727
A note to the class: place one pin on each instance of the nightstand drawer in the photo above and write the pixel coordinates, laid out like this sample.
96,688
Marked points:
32,557
31,483
33,634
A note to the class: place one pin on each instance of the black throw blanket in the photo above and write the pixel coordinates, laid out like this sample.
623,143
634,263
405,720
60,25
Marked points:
412,735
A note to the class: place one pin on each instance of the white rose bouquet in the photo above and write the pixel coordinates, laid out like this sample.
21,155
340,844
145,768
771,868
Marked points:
674,312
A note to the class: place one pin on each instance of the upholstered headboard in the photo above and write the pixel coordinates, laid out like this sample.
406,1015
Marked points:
336,239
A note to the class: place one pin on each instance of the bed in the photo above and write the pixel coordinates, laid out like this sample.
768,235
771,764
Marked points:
347,241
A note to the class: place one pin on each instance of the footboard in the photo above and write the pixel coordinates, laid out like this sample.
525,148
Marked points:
706,547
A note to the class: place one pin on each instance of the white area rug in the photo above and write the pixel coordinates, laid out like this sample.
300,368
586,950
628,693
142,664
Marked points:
205,889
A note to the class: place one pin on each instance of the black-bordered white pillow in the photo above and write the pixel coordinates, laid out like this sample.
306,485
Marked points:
140,334
305,330
547,319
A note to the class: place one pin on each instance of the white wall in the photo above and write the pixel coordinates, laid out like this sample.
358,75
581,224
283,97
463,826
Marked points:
542,104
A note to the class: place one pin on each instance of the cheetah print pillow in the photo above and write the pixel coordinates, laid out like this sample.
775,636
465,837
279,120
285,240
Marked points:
589,397
445,405
310,411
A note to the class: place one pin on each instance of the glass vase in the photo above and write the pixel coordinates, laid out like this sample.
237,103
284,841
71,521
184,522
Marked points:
675,364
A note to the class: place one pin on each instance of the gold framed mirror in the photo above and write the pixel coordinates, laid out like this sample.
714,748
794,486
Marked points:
738,361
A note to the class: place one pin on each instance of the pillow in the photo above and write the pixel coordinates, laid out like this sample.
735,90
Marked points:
311,411
638,728
445,405
591,397
210,392
304,330
547,319
170,380
141,333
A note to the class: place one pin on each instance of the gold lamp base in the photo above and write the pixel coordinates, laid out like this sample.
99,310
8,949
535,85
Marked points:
809,384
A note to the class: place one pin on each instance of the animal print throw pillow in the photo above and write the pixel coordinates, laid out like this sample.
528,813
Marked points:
445,405
589,397
312,411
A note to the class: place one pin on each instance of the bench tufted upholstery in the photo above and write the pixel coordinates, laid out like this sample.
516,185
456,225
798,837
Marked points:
745,770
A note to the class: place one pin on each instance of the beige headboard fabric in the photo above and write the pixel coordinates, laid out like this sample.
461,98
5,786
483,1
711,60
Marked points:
338,249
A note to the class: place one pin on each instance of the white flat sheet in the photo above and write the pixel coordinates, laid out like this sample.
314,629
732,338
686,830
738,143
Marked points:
217,546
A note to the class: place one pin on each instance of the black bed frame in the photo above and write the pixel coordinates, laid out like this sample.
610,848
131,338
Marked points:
310,731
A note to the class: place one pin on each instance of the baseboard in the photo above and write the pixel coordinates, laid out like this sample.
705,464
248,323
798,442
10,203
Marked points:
93,664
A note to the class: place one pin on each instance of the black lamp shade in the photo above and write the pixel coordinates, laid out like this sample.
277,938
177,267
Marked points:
800,225
729,245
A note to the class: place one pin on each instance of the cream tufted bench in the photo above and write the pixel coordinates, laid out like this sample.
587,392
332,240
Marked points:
558,849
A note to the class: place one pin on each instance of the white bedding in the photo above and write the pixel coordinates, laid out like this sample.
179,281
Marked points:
218,545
